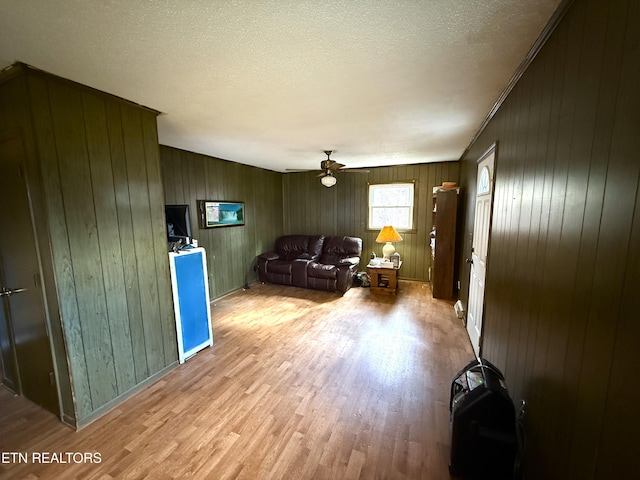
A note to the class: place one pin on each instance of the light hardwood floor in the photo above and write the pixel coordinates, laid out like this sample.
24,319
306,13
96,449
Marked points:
300,384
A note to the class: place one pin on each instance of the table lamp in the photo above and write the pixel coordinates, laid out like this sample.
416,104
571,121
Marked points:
387,235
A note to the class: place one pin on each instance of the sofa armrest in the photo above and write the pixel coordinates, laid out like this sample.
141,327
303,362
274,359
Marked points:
349,261
346,272
269,256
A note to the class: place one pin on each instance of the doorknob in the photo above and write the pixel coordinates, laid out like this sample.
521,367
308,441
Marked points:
469,260
8,293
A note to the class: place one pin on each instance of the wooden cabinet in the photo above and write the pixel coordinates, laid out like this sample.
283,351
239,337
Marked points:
443,241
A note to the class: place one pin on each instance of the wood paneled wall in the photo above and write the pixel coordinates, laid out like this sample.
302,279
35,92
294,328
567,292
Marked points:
231,251
102,219
564,267
15,117
311,208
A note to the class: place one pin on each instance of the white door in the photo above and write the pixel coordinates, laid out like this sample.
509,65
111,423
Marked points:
480,245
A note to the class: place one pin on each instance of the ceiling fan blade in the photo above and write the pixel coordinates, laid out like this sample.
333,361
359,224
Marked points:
293,170
335,165
328,167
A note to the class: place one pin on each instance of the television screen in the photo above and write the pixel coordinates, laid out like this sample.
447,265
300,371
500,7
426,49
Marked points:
178,223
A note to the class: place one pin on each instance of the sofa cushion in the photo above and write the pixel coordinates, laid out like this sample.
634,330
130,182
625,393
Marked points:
319,270
336,248
291,247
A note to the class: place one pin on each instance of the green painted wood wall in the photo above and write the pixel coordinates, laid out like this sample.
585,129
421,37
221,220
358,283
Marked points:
293,203
231,251
98,172
561,314
16,119
310,208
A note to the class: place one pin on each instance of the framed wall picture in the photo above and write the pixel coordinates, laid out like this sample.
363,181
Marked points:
214,213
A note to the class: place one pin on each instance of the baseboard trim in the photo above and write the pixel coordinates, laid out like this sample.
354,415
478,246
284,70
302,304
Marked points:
99,412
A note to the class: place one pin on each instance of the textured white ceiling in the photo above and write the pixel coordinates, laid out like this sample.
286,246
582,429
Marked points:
274,83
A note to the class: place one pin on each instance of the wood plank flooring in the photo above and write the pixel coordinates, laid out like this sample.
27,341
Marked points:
300,384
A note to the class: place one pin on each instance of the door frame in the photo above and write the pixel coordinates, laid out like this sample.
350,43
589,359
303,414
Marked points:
39,226
493,149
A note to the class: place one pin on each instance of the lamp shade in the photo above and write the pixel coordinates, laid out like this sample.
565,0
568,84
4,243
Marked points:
328,181
388,234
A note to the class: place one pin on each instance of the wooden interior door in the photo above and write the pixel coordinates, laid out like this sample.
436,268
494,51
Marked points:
479,250
25,340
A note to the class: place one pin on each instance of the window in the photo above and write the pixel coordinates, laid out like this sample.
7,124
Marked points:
391,204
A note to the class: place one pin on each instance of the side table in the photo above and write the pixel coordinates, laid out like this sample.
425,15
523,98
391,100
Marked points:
384,281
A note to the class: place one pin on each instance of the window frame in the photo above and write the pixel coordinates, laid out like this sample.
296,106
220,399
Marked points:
412,214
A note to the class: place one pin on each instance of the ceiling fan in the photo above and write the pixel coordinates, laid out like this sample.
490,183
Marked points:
327,169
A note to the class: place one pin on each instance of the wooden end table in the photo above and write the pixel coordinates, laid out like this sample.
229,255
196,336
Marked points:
384,281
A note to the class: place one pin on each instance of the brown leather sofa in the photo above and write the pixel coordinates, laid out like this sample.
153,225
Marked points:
312,261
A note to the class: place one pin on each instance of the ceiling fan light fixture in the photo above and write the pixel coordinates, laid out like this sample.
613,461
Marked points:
328,180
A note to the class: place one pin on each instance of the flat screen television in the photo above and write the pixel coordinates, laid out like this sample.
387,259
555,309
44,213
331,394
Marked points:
178,223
